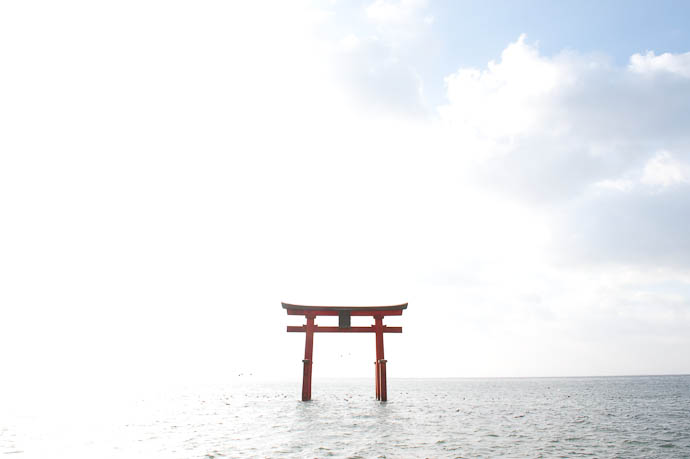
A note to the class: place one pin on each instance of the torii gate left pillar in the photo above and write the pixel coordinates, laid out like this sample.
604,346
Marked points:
344,314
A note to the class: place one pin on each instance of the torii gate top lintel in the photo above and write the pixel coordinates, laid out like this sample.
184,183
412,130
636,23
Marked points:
303,310
344,314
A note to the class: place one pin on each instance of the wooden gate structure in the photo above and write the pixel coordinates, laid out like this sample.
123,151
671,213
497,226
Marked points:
344,314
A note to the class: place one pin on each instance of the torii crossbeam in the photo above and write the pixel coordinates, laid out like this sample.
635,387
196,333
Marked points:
344,314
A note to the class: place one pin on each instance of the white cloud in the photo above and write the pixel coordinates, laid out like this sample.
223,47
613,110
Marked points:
399,23
507,98
615,184
379,65
650,63
350,42
554,126
600,154
392,12
377,79
665,171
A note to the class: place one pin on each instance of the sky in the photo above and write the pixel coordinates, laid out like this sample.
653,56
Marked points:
519,172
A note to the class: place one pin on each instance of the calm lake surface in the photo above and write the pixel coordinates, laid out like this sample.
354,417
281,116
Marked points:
542,417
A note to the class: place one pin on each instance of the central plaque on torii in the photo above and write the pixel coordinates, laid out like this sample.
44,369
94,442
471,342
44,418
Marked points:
344,314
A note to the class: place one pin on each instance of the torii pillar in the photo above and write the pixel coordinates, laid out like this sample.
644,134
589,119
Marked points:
344,314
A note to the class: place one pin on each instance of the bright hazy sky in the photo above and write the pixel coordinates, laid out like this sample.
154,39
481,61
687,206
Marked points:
171,171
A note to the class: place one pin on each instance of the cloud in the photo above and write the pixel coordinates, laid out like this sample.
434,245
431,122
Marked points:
650,63
379,79
561,130
378,66
527,97
635,227
599,155
506,99
399,23
401,12
663,170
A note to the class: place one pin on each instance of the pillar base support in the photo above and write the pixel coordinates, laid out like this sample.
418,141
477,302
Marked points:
306,380
382,392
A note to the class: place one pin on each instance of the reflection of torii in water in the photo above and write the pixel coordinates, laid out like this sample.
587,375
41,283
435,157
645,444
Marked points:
344,314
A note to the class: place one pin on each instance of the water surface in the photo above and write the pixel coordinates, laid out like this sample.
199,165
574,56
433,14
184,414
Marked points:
542,417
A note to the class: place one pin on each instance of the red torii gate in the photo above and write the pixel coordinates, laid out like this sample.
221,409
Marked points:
344,314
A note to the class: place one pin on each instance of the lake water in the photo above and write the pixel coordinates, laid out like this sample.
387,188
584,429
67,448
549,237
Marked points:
542,417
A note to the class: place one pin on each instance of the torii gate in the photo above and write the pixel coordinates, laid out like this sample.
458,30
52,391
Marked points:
344,314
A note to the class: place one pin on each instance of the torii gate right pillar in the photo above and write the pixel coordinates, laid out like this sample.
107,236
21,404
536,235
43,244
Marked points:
380,364
308,355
